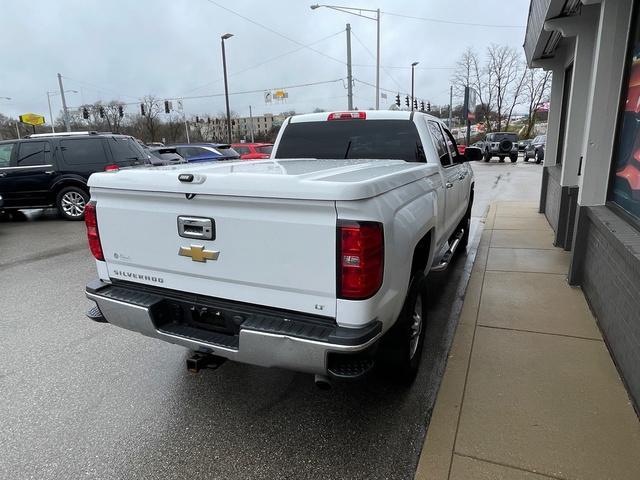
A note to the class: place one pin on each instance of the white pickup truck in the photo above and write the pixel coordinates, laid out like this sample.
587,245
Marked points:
313,260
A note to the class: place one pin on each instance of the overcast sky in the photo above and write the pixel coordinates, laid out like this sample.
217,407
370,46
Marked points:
124,49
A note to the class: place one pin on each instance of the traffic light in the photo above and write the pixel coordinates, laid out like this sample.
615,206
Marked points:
208,119
85,113
101,110
428,106
197,119
415,103
120,111
167,106
406,100
422,106
398,100
142,109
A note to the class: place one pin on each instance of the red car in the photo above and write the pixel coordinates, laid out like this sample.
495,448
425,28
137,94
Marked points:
253,151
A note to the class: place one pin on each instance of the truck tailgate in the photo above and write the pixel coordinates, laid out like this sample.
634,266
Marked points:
272,252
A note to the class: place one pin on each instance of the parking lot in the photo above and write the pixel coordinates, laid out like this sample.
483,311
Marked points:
86,400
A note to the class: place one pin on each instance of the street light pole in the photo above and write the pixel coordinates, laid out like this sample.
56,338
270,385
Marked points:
53,129
378,60
226,86
358,13
349,78
67,124
413,70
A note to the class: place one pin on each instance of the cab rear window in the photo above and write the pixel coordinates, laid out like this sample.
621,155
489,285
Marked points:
353,139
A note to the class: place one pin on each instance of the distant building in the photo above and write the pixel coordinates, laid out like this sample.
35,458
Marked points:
241,127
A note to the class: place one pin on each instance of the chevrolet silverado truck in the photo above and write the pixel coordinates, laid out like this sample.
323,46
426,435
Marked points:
313,260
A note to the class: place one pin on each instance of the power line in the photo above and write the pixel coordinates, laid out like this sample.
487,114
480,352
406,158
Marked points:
213,95
373,56
450,22
275,32
267,61
402,67
97,87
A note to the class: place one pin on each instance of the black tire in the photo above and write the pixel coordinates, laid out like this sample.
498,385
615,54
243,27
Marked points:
401,348
539,156
501,159
487,156
513,158
71,202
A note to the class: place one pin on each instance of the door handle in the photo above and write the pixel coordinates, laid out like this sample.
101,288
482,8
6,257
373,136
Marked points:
49,172
2,174
449,185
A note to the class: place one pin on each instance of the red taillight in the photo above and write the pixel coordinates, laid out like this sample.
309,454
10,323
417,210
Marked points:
111,168
91,221
347,116
360,259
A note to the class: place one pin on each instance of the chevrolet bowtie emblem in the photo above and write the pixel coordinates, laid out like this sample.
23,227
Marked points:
198,253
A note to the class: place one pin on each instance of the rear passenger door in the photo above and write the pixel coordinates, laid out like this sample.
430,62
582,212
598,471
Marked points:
463,170
82,156
27,182
451,177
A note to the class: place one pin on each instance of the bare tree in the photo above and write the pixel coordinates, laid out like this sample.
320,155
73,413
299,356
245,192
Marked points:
502,73
151,112
536,89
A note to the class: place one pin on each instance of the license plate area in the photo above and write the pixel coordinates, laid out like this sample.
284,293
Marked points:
196,315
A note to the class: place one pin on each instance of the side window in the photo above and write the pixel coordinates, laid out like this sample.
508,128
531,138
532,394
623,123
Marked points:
242,150
6,149
32,154
441,145
83,151
125,149
451,143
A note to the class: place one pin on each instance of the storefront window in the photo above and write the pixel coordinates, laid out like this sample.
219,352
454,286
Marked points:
625,182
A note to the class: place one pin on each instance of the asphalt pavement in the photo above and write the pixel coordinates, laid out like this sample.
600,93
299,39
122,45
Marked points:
86,400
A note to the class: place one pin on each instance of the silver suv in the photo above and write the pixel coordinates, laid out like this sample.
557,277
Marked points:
501,145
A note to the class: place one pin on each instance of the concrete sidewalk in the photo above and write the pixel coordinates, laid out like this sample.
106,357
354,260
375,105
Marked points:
530,390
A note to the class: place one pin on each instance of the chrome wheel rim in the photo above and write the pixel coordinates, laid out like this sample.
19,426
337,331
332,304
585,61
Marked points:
73,204
416,327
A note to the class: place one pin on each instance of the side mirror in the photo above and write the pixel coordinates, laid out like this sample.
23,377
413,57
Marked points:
473,154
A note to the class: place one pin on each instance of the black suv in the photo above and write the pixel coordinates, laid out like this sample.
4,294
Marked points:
52,170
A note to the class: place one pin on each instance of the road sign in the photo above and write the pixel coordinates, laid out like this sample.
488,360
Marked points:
32,119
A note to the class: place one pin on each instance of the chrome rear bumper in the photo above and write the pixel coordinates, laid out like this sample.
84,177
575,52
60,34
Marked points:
272,342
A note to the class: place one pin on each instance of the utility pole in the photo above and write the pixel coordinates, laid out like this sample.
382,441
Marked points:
226,87
450,105
64,105
465,112
349,78
251,123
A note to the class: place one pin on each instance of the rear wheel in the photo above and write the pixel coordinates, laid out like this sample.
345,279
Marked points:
539,156
501,159
487,156
71,202
401,349
513,158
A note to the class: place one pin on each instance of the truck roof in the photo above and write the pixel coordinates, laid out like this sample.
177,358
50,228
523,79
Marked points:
370,115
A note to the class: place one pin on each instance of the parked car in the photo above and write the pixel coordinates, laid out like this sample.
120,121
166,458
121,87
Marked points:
159,156
501,145
206,152
359,208
51,170
536,149
523,144
253,151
